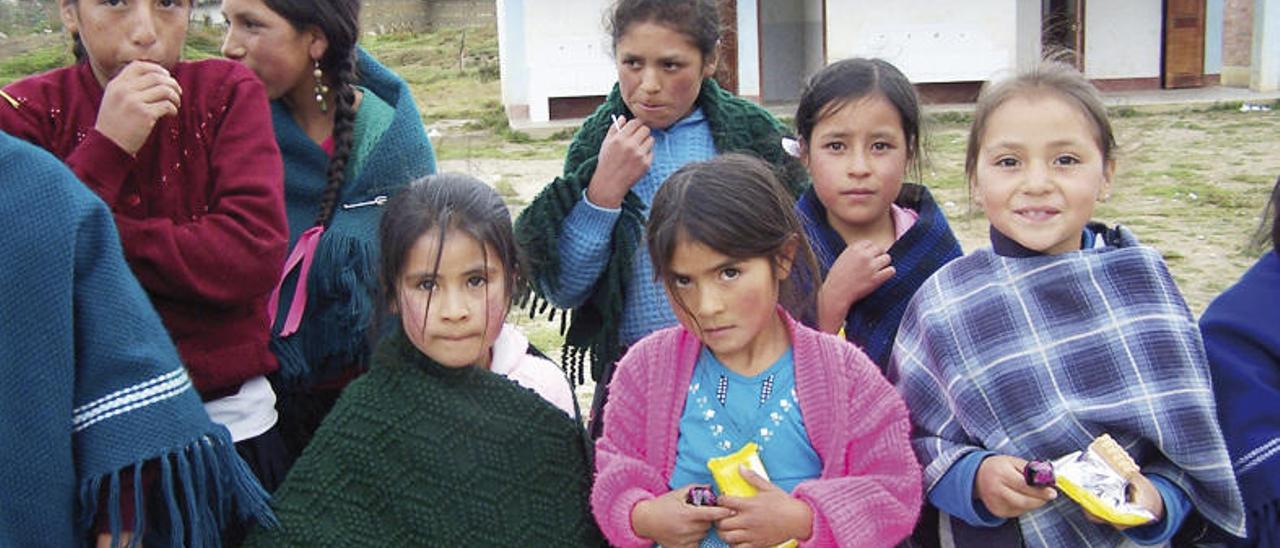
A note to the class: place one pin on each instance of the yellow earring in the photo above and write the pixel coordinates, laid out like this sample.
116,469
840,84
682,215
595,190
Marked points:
320,88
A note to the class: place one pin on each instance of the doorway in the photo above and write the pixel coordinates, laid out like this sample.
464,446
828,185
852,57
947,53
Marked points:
1062,31
793,45
1183,56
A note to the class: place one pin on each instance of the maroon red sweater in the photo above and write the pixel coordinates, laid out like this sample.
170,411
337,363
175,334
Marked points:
200,208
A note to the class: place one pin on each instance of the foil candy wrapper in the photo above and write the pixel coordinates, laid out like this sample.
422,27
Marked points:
1088,479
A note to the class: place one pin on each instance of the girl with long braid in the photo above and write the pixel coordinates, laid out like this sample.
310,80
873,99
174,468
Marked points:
351,136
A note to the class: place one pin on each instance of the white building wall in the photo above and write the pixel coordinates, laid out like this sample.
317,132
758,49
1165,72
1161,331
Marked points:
568,52
1122,39
748,49
930,40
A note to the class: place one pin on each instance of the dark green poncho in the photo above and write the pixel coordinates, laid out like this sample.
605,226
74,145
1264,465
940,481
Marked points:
417,454
737,125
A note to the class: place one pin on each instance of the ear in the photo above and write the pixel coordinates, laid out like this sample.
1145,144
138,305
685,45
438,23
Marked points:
711,61
1108,173
70,17
319,43
787,258
974,193
804,151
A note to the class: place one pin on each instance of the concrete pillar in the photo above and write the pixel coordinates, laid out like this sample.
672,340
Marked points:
1265,72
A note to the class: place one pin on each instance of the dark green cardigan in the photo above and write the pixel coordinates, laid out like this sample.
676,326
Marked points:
737,125
418,454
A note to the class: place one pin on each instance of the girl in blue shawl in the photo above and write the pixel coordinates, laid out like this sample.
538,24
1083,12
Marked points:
1062,331
1242,338
351,137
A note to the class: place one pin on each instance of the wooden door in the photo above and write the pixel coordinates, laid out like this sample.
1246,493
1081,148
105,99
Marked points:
1183,43
727,69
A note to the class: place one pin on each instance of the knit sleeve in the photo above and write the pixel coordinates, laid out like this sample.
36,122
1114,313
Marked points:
233,252
874,497
624,473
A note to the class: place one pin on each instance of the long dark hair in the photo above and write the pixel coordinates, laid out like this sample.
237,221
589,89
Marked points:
338,20
850,80
1269,228
735,205
446,201
697,19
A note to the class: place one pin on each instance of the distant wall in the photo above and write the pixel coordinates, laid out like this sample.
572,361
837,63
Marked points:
420,15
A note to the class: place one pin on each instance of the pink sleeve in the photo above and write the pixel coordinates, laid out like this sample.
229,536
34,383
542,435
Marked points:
875,500
624,476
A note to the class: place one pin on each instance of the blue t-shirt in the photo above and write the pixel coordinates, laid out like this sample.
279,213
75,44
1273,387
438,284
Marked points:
724,411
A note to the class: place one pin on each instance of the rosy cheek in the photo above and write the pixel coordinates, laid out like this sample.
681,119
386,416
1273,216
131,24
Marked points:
495,314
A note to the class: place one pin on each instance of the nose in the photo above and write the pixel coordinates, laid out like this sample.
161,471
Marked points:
142,31
231,48
710,302
453,305
650,81
858,165
1039,178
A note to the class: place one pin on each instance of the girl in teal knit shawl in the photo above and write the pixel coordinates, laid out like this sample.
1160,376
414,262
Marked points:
583,232
430,447
350,136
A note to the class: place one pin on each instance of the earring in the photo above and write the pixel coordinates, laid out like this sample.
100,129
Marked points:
320,88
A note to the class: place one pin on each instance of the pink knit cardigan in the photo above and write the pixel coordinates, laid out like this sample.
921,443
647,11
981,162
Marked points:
869,493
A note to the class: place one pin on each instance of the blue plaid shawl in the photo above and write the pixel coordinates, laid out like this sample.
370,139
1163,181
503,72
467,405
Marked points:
1034,357
872,322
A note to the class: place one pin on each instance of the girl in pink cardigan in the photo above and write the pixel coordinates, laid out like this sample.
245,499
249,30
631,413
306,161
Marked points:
832,432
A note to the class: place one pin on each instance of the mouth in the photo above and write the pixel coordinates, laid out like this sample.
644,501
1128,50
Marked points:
1036,214
648,107
716,331
858,193
456,338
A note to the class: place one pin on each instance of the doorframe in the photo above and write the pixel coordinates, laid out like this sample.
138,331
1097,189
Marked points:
822,14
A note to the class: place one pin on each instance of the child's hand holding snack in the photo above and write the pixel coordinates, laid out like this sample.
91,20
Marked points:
769,518
1002,487
670,521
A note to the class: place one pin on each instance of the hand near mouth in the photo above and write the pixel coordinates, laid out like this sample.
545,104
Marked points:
624,158
860,269
134,100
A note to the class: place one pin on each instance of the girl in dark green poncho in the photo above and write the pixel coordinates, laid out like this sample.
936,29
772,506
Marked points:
583,231
431,447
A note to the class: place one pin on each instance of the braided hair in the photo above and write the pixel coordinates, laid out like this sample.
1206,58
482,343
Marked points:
338,20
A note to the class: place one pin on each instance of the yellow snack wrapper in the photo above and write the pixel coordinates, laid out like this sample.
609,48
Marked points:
1087,478
725,471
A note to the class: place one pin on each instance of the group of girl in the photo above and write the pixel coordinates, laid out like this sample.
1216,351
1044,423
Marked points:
708,271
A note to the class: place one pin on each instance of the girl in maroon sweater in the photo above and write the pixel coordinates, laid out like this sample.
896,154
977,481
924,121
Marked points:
183,153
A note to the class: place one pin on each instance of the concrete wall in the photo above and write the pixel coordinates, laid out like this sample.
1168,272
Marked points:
1027,42
420,15
1122,39
748,50
552,49
1265,70
512,65
930,40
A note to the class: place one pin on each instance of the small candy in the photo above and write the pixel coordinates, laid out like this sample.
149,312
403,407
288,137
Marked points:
1039,473
701,495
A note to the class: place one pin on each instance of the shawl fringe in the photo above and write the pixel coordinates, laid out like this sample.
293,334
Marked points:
199,485
340,305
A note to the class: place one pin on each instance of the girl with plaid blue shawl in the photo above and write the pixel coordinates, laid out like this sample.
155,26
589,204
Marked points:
876,238
1058,334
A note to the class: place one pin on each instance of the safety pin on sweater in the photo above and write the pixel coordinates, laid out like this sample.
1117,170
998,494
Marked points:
376,201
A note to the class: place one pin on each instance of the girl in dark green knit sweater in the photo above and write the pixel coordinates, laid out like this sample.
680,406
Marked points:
440,444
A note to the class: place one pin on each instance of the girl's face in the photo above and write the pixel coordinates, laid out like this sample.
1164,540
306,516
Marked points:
660,73
116,33
729,303
1040,172
468,299
858,156
281,56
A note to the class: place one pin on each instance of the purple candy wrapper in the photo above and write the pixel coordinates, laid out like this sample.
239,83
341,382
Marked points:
701,496
1039,473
